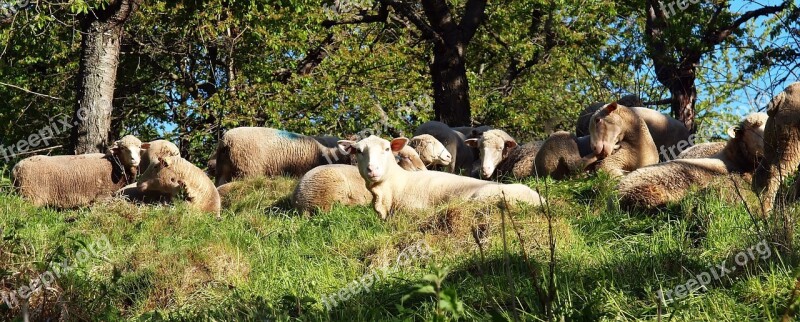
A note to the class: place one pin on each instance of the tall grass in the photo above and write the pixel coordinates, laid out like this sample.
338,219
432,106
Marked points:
581,258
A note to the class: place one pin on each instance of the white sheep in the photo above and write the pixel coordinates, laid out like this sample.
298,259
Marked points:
256,151
430,150
394,188
71,181
462,155
172,175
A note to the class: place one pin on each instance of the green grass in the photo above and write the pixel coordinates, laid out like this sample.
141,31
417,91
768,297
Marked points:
263,261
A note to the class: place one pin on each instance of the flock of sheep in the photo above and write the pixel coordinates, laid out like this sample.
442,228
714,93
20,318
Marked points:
620,140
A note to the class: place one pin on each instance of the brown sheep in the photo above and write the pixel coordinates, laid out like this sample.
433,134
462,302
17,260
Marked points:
256,151
782,142
702,150
71,181
669,135
562,155
621,140
326,185
657,185
173,175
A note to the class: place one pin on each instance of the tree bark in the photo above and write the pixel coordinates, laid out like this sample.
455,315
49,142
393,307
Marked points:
684,94
450,87
100,47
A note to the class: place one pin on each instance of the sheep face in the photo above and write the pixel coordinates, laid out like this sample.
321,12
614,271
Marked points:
409,159
128,150
162,177
431,151
605,129
374,156
493,149
750,132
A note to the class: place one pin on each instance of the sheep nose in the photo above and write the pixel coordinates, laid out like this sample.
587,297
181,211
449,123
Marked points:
487,172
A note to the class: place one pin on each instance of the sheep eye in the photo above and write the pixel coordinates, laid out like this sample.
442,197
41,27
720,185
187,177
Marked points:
172,179
387,150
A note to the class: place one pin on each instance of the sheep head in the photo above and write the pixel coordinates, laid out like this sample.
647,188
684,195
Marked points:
493,146
431,151
606,130
749,135
162,177
409,159
375,156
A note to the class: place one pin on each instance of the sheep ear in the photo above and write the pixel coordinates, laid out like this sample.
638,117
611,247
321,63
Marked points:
414,141
472,143
732,131
397,144
346,146
611,107
511,144
475,133
145,145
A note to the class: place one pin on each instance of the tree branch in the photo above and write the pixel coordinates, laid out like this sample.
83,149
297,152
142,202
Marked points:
404,10
720,34
666,101
472,19
383,13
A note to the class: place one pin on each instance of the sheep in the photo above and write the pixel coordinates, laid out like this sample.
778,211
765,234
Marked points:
72,181
620,138
253,151
494,146
657,185
562,155
702,150
431,151
453,140
325,185
782,141
582,124
472,132
668,133
172,175
153,150
393,188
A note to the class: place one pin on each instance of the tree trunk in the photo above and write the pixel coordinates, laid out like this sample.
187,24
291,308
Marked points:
684,96
450,87
100,47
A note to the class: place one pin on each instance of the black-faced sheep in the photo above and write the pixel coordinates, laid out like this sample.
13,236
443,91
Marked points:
782,146
657,185
621,140
257,151
173,175
71,181
394,188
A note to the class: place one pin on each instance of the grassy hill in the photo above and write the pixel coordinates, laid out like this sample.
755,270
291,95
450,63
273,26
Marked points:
265,262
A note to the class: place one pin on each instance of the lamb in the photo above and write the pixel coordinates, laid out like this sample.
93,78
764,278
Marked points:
430,150
326,185
153,150
72,181
254,151
669,134
393,188
494,146
453,140
782,139
621,140
562,155
172,175
702,150
657,185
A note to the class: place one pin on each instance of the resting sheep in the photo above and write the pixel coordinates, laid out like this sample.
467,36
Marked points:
472,132
256,151
702,150
494,146
153,150
393,188
620,140
462,155
323,186
71,181
431,151
782,142
657,185
172,175
669,135
562,155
